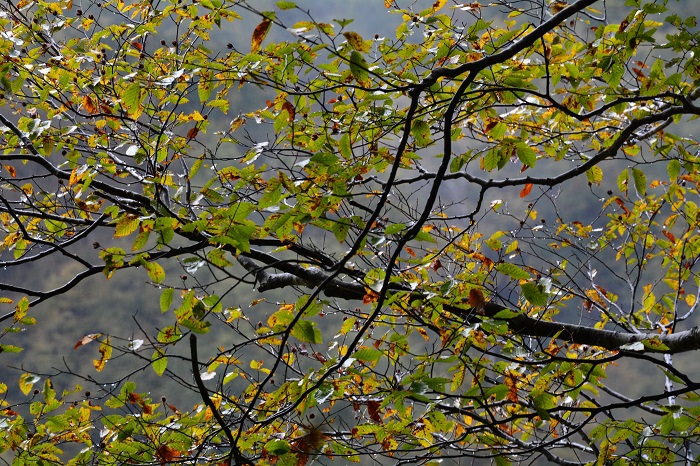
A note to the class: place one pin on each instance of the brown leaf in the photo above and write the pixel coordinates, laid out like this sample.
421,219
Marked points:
137,45
526,190
290,109
192,133
476,299
373,411
87,339
11,170
90,105
621,203
165,454
259,34
558,6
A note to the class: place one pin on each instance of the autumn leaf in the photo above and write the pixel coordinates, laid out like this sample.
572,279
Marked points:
90,106
373,411
526,190
356,42
105,354
477,300
192,133
259,34
87,339
669,235
289,108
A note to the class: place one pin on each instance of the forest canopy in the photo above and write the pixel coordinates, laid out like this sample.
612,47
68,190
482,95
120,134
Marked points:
467,236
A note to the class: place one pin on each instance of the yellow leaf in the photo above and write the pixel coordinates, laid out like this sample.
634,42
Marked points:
439,4
105,354
356,42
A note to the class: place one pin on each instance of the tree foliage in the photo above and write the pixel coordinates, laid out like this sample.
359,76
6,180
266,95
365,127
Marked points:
458,231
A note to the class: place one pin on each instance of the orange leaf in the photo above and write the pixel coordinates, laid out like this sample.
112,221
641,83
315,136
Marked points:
87,339
510,382
410,251
137,45
11,170
526,190
669,235
369,297
259,34
192,133
621,203
487,262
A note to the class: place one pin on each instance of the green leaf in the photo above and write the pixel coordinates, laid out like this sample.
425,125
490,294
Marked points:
535,294
594,175
159,362
166,299
623,181
506,314
358,68
307,332
367,354
512,271
286,5
640,181
526,154
131,98
674,169
421,132
277,447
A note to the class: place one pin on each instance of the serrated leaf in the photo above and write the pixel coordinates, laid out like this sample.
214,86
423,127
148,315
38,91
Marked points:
594,175
126,225
166,299
358,68
640,181
673,169
526,154
512,271
356,42
535,294
421,132
367,354
131,98
259,34
159,362
623,181
307,332
506,314
155,272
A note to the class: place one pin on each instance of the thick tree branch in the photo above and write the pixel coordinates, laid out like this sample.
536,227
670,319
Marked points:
520,324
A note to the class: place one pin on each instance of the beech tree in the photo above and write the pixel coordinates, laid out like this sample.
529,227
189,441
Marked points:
446,240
